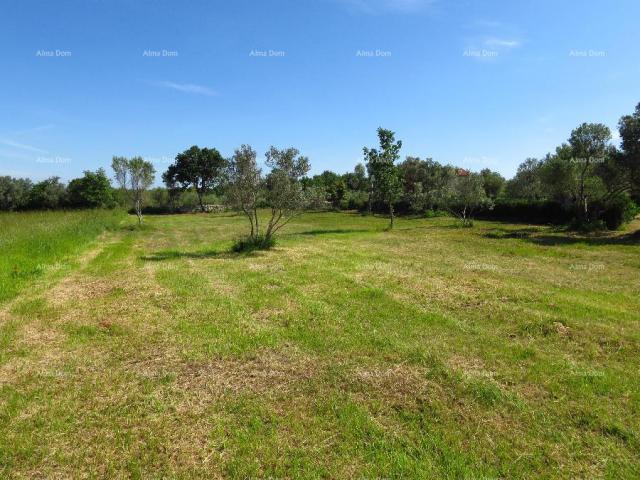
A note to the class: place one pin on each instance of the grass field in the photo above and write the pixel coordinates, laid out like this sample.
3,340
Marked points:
500,351
37,241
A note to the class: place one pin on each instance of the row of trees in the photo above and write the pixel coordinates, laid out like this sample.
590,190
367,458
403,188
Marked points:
92,190
587,179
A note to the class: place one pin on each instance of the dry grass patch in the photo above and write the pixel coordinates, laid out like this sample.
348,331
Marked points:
269,372
399,382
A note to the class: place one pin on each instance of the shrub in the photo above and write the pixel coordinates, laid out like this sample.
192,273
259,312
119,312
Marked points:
252,243
354,200
435,213
590,226
93,190
541,212
47,195
618,211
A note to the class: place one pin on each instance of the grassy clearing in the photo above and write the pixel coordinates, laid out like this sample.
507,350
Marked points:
34,242
500,351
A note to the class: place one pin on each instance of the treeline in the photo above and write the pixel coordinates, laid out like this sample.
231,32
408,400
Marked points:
92,190
587,183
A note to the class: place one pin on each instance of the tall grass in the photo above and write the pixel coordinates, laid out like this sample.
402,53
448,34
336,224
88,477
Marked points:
31,242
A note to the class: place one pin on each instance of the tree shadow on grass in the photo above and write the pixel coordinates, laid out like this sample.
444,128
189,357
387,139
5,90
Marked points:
555,240
336,231
533,235
519,233
198,255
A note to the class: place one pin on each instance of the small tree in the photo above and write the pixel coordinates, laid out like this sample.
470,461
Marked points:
589,147
284,193
385,181
465,195
199,168
282,190
244,187
134,176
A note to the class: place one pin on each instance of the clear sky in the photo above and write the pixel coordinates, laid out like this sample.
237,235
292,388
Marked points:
476,84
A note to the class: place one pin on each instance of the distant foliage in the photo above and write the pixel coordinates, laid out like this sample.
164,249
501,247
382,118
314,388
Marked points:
586,183
49,194
14,193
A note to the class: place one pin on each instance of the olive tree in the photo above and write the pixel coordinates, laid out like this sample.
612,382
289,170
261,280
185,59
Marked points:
284,193
134,177
465,195
244,186
281,190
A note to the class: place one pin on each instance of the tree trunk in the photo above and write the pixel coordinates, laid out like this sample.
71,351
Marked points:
200,200
255,215
139,211
391,214
249,214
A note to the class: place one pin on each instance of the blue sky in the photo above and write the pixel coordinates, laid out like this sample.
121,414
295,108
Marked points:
475,84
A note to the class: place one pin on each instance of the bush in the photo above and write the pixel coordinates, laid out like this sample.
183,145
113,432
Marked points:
540,212
618,211
93,190
354,200
47,195
435,213
250,244
590,226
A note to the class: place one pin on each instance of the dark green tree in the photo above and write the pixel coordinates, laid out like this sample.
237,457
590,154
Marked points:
629,128
199,168
527,183
92,190
47,195
493,183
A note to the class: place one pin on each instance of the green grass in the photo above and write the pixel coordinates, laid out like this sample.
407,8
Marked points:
498,351
32,243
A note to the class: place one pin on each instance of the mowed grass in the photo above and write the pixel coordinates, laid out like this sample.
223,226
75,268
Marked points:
34,242
500,351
